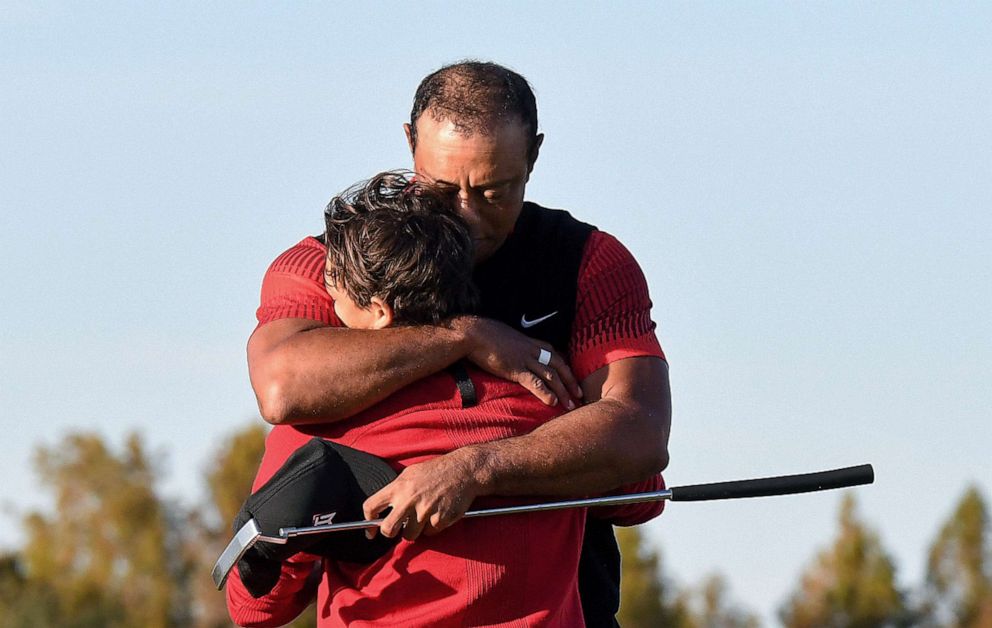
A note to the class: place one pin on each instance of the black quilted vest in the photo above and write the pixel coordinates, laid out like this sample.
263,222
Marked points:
533,274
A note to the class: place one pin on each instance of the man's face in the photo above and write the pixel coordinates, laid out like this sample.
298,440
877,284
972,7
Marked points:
486,172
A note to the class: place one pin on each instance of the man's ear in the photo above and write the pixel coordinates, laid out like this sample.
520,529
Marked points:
409,135
535,149
382,314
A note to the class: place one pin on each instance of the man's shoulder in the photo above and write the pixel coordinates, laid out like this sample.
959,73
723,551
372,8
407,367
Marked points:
306,257
606,247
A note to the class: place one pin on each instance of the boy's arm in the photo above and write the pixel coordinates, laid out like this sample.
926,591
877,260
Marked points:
296,588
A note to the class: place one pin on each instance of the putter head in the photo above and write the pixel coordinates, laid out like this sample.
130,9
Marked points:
247,536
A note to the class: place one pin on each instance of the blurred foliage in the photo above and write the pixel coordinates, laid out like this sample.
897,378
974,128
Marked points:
230,476
959,567
647,598
850,585
710,607
107,556
24,602
113,553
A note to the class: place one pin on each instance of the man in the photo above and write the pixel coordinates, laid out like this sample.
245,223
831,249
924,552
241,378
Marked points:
398,255
575,294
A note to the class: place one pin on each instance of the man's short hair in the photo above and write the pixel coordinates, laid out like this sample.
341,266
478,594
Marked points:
402,241
475,96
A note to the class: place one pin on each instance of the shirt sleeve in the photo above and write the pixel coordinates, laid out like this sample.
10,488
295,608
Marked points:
633,514
613,308
293,286
289,597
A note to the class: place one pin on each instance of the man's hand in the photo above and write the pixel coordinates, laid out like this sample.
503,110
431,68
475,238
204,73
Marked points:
426,497
621,436
507,353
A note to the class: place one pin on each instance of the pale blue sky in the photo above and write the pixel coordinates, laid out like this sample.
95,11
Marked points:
807,187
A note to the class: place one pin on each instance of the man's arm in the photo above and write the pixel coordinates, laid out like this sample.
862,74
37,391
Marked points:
303,371
633,514
306,368
619,437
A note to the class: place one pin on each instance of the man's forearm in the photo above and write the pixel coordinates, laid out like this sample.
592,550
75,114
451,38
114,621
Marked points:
593,449
305,372
620,437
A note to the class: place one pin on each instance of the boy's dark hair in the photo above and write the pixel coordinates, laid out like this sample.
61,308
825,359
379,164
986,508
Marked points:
400,240
475,96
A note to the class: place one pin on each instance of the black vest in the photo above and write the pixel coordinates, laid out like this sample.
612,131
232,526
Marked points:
535,273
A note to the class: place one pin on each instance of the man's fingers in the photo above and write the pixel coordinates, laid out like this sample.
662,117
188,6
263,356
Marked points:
538,387
566,376
412,528
556,375
552,382
373,507
393,523
376,503
435,523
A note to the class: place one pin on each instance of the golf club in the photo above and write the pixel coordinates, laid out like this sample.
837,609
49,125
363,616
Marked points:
249,534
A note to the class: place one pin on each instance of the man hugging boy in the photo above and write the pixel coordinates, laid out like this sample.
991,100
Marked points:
398,254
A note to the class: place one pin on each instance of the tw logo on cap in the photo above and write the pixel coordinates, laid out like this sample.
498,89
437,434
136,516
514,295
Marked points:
324,520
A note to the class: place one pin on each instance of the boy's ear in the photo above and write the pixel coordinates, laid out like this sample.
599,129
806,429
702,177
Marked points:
382,314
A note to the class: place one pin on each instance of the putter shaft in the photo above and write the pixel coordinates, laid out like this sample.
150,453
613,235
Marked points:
615,500
249,534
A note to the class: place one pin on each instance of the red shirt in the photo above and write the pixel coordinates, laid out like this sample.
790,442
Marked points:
613,308
462,576
514,570
466,575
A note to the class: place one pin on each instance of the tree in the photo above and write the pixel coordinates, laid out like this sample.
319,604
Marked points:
107,557
647,598
850,585
710,607
959,567
229,478
23,603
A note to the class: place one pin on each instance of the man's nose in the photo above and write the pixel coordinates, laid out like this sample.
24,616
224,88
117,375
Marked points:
468,206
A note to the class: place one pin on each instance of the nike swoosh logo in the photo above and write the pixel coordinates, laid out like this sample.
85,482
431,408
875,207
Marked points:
527,324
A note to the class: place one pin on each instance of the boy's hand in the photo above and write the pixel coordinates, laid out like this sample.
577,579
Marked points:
505,352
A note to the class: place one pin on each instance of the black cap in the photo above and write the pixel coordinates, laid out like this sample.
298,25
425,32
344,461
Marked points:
321,482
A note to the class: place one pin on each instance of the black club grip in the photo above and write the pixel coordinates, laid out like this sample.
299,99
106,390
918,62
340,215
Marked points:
782,485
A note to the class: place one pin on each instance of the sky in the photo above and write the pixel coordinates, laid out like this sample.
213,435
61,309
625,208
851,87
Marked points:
806,186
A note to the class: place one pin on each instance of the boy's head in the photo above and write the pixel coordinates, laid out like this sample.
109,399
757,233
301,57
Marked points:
397,253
